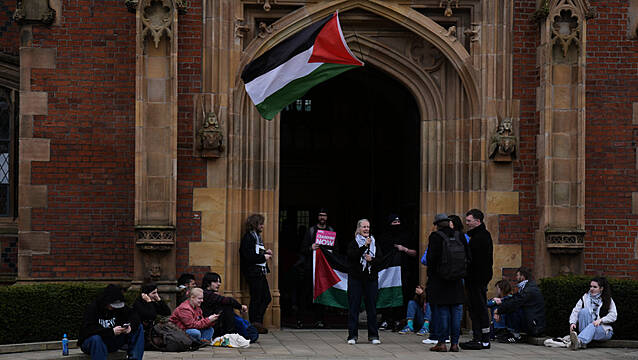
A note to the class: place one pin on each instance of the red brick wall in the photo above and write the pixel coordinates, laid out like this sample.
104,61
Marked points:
520,229
9,30
90,122
612,87
191,171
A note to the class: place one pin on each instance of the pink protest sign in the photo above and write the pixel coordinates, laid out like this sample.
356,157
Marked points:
325,237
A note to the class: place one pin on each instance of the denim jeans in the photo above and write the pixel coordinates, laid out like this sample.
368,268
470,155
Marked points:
415,312
368,289
203,334
99,349
587,331
447,322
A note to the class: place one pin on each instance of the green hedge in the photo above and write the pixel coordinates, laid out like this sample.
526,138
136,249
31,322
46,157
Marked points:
43,312
562,293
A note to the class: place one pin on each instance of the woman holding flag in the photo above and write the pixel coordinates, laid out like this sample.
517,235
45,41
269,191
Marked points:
363,281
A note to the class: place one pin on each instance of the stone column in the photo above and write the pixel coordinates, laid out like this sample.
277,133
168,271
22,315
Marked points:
156,143
561,142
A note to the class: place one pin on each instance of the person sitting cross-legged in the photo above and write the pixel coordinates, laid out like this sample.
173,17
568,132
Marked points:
110,325
418,314
594,313
188,317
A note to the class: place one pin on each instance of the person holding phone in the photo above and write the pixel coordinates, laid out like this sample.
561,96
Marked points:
109,325
188,317
148,306
224,306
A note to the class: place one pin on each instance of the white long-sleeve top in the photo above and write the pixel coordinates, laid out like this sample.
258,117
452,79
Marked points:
584,302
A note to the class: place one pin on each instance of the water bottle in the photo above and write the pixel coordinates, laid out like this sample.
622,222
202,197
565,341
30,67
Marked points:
65,345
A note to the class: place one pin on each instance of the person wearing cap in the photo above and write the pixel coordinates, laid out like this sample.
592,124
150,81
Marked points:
397,237
445,296
479,274
309,245
188,317
109,325
148,306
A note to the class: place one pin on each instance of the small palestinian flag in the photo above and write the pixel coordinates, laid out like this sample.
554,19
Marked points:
287,71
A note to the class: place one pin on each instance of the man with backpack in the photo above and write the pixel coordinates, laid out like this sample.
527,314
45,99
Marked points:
478,277
447,258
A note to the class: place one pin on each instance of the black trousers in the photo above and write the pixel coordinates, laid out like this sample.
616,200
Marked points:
259,298
477,301
226,322
368,289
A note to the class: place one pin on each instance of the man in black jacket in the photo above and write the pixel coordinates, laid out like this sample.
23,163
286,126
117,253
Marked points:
214,303
479,275
525,310
309,245
109,325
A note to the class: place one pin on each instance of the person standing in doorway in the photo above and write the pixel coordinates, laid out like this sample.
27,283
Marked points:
254,259
308,246
363,281
479,275
397,237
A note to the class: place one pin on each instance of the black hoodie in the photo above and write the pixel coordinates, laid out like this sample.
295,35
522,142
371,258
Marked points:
99,320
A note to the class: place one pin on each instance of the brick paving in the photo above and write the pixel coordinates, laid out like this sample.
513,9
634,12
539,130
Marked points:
331,344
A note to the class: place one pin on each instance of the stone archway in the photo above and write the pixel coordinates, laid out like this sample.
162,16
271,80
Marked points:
432,65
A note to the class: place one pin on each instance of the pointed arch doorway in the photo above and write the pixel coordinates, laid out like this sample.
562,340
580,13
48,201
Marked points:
426,60
350,145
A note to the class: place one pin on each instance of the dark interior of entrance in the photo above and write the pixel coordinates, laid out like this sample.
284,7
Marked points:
350,145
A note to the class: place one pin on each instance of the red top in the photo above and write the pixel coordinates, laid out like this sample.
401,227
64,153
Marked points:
186,317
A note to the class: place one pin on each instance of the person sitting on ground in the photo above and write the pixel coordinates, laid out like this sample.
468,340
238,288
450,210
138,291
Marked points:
525,309
185,283
594,313
419,314
148,306
218,304
504,291
109,325
188,317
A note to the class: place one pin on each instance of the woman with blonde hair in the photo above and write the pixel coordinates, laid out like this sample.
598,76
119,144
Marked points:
363,280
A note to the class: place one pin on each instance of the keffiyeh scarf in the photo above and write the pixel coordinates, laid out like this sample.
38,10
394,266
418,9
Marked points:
361,241
595,302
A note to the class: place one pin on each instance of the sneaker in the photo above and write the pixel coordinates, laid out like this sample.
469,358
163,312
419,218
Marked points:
472,345
575,342
352,341
383,326
319,325
376,341
405,330
299,324
396,326
429,341
422,332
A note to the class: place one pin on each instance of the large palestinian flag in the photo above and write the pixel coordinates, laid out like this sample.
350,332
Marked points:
287,71
330,276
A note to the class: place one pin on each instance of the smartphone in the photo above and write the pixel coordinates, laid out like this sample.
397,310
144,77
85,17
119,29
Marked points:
126,325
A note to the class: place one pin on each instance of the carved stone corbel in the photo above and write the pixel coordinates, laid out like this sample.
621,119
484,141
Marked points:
264,30
474,33
503,143
210,134
34,11
450,33
241,28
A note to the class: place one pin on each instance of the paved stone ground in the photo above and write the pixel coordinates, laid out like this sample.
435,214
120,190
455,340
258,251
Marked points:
331,344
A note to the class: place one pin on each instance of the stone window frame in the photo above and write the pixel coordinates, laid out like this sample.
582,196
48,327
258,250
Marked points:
10,84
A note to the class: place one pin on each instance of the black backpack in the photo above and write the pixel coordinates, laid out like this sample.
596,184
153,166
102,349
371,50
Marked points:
166,336
453,264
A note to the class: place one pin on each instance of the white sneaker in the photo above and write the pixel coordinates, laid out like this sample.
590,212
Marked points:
376,341
429,341
352,341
